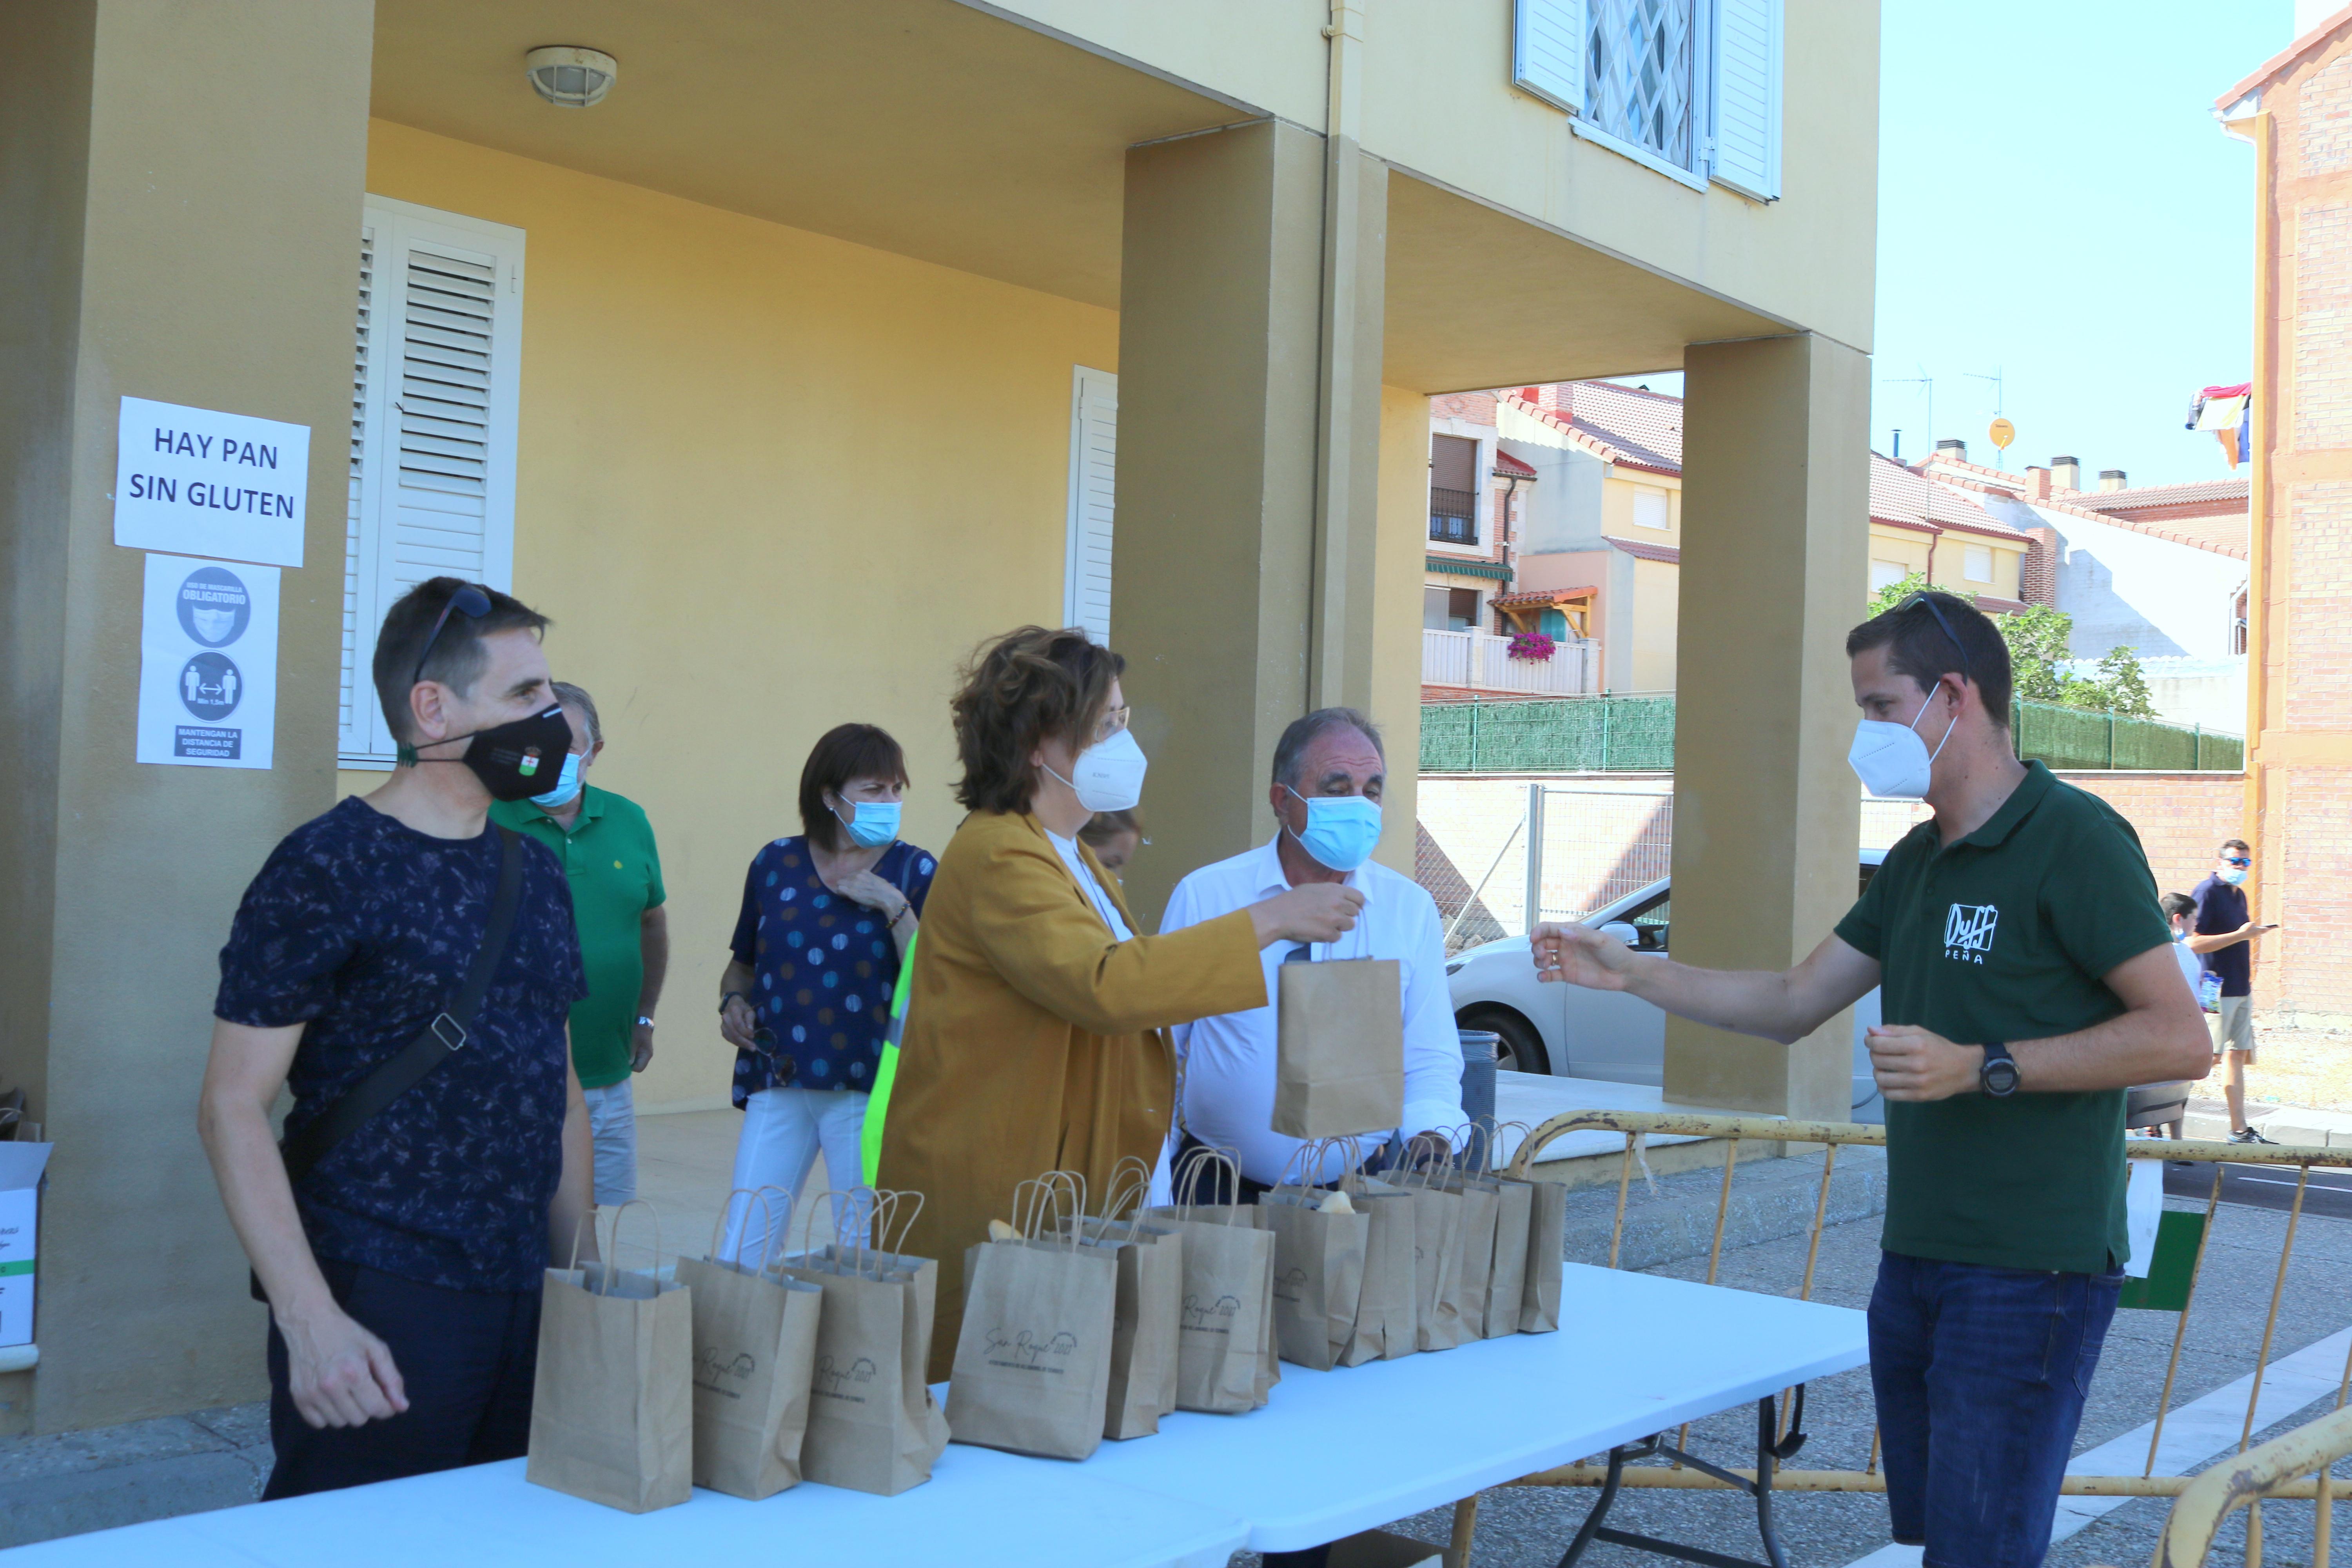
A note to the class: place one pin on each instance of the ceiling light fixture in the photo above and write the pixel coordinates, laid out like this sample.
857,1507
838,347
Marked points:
569,76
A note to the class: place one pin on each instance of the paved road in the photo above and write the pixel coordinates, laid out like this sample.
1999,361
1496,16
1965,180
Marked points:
2265,1187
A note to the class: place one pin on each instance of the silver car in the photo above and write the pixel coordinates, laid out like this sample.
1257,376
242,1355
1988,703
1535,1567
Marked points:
1570,1032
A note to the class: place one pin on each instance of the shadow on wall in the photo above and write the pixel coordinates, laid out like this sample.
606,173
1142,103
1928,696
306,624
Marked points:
2103,619
1436,872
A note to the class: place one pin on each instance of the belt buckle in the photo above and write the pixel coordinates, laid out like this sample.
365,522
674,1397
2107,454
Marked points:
444,1034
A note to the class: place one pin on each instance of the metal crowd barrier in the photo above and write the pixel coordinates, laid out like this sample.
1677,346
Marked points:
2251,1477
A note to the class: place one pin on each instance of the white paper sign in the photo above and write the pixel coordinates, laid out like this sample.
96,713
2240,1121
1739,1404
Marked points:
208,664
202,483
2142,1211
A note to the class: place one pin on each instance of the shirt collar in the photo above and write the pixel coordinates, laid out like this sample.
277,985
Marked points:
1265,867
592,806
2019,804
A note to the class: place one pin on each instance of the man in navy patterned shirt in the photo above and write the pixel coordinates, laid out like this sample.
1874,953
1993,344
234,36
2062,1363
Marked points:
403,1268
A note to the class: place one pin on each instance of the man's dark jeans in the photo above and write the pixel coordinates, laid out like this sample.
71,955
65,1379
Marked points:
466,1359
1979,1374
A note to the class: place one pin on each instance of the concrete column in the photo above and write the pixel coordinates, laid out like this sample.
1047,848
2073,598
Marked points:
1231,622
179,220
1766,813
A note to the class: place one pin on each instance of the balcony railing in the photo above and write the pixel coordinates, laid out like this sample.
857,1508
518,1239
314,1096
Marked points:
1453,516
1477,661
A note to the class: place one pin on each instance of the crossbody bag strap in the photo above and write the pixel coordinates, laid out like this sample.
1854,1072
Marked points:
439,1040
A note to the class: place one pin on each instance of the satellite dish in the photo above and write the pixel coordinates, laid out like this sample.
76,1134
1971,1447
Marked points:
2002,433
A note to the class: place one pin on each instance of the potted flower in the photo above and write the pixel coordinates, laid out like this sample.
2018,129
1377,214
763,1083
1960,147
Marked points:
1534,646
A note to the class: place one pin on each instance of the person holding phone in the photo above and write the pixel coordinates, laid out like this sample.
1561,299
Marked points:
827,915
2222,935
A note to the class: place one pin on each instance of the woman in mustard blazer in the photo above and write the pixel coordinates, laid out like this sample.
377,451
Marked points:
1034,1037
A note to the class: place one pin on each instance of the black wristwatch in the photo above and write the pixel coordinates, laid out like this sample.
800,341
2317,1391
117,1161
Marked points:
1997,1075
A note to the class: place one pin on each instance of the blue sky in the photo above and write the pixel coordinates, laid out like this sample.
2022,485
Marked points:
2057,204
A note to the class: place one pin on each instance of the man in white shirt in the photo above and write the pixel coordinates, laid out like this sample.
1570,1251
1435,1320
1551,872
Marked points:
1329,770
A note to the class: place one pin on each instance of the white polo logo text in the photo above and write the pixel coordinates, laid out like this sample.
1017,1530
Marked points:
1967,932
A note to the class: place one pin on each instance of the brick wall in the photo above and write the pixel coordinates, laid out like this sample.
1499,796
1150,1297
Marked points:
2322,325
2312,948
2181,819
2322,139
2037,578
2318,687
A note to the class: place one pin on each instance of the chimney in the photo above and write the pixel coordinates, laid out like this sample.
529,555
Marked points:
2037,483
2066,474
1958,451
2111,479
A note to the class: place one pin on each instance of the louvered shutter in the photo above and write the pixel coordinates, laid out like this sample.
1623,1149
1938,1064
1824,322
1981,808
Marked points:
1747,97
1094,452
433,439
1548,51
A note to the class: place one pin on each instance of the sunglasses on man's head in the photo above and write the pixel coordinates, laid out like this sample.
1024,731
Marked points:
470,602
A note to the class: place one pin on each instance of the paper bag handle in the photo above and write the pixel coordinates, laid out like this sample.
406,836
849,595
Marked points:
718,1227
1198,1160
1037,1206
612,1240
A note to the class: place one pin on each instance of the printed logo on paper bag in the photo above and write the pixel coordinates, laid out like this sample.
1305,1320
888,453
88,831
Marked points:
1215,1317
720,1373
1029,1349
1967,932
837,1381
1290,1285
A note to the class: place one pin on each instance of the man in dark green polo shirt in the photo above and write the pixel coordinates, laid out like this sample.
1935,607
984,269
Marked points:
2026,981
606,847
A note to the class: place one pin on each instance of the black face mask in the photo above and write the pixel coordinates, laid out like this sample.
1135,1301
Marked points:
517,759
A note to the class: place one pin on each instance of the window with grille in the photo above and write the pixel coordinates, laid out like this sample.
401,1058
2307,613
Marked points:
1637,74
435,376
1690,88
1453,489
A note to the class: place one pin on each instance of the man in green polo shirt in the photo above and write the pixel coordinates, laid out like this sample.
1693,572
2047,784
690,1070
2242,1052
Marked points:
606,847
2026,980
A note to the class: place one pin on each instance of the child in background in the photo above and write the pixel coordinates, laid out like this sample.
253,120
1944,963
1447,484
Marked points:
2181,911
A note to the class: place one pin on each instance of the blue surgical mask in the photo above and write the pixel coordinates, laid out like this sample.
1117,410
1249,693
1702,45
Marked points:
567,785
874,824
1341,829
2234,875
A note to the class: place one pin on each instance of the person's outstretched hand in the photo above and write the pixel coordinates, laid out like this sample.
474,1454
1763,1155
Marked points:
1582,956
1312,911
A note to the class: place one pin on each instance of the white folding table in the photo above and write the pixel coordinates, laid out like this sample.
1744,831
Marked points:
980,1509
1353,1449
1333,1454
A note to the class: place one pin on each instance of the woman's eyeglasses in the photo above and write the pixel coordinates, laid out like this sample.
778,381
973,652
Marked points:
1113,722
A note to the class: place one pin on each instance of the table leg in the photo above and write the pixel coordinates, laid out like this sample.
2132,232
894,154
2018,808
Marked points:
1768,1454
1466,1527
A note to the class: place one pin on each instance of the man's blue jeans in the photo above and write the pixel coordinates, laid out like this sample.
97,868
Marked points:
1979,1374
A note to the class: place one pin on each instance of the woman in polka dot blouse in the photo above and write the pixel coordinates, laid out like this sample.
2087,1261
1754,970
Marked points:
826,915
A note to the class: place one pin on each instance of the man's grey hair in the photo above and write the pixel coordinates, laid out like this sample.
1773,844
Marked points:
1304,732
578,696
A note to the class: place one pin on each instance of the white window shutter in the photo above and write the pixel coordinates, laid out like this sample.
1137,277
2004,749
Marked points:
1547,50
1094,454
1747,97
434,411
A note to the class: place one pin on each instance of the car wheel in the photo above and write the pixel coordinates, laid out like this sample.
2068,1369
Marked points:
1522,1049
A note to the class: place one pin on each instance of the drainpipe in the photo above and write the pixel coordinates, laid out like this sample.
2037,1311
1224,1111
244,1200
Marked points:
1503,528
1337,550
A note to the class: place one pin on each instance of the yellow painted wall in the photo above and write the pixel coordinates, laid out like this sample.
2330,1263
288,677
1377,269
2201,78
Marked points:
1618,491
1657,608
770,482
1437,100
1951,567
1910,550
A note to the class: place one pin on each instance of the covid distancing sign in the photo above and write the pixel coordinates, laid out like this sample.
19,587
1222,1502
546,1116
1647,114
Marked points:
208,663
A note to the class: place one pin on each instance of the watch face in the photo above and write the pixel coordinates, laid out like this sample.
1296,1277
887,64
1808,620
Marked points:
1999,1077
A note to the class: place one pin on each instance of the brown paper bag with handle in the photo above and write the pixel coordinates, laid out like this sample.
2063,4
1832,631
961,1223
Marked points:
1226,1354
1436,1259
1032,1370
873,1425
1546,1226
754,1354
1339,1047
1515,1201
1318,1260
612,1415
1385,1310
1145,1321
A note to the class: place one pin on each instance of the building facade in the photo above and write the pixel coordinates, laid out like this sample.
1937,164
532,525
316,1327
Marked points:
2296,112
671,368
